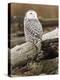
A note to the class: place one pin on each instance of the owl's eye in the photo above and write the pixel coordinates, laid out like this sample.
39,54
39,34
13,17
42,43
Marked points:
30,13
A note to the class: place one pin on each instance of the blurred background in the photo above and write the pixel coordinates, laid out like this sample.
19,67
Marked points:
46,11
47,14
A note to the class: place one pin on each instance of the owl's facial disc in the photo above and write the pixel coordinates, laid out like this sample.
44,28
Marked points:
31,14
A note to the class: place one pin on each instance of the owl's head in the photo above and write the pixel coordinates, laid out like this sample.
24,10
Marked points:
31,14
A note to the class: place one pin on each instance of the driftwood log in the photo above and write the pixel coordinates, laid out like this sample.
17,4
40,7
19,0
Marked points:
20,54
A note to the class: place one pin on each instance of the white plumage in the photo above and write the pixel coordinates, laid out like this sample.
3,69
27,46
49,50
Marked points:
33,28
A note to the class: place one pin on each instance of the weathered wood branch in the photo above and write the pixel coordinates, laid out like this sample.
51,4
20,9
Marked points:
20,54
50,35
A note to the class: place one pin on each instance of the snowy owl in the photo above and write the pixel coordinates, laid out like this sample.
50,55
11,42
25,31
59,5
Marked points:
33,28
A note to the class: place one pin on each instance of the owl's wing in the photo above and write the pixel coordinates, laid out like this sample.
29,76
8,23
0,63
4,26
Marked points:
38,29
33,27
